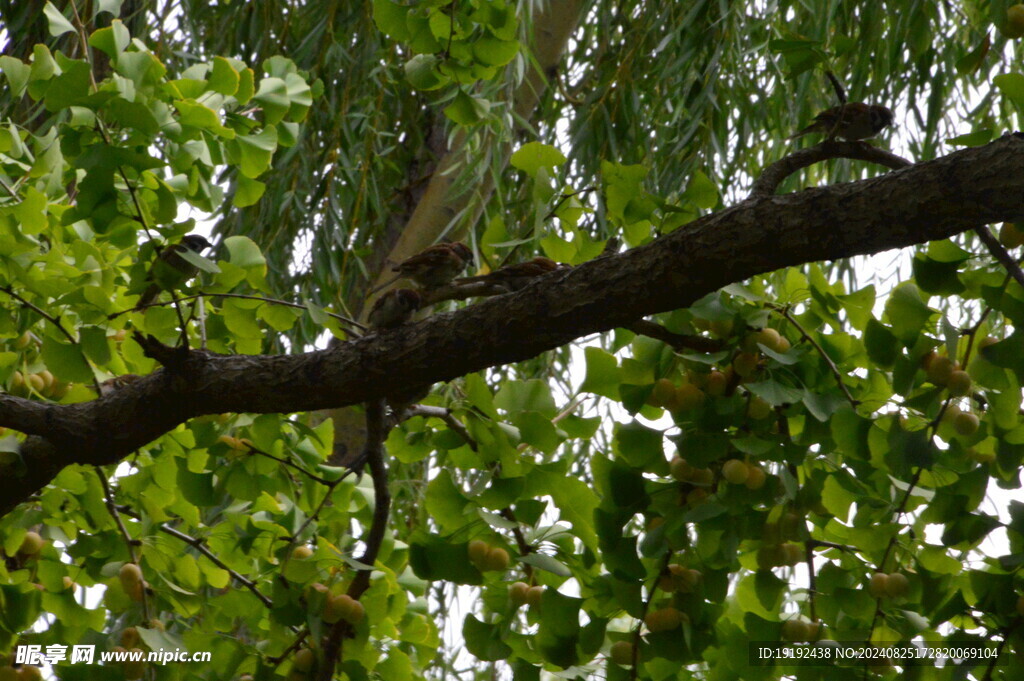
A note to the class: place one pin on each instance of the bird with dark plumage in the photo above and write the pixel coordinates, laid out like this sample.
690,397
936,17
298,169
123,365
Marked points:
394,308
433,267
858,121
170,271
515,276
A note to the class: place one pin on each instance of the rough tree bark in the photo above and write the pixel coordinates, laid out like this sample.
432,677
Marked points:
923,202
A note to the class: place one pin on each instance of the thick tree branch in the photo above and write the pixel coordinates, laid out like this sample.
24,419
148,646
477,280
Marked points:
924,202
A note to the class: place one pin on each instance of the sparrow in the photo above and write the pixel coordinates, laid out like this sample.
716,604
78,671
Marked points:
516,276
170,270
433,267
394,308
859,121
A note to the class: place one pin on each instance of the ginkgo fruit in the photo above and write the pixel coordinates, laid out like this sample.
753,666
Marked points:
755,478
130,637
716,384
517,593
745,364
795,630
877,585
897,585
680,469
665,619
688,396
966,424
31,545
663,391
130,576
959,383
939,369
533,595
1014,28
497,560
622,653
304,659
735,471
478,551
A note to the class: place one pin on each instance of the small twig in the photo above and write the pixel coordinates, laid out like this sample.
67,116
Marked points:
784,311
295,645
199,546
521,543
291,464
814,543
445,415
677,341
1000,253
272,301
319,507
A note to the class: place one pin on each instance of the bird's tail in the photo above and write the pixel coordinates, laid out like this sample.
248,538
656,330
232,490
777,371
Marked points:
148,296
387,283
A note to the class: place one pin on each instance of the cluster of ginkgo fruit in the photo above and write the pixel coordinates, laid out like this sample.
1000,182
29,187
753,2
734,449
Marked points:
36,379
745,365
697,482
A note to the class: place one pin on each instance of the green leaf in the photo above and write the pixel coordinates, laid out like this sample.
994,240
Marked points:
603,374
223,77
31,212
467,110
422,73
111,40
248,192
272,96
640,446
533,156
702,191
970,62
493,51
978,138
243,252
432,558
880,343
1012,87
59,25
196,115
484,640
17,74
531,395
110,7
907,312
547,563
390,18
66,361
256,151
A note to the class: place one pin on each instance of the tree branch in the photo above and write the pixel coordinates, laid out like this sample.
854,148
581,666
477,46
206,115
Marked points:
924,202
773,175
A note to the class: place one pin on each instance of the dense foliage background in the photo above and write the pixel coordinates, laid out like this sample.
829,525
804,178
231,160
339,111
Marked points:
648,504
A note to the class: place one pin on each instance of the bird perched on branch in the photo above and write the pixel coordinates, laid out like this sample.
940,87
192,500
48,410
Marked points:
859,121
433,267
394,308
170,270
516,276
